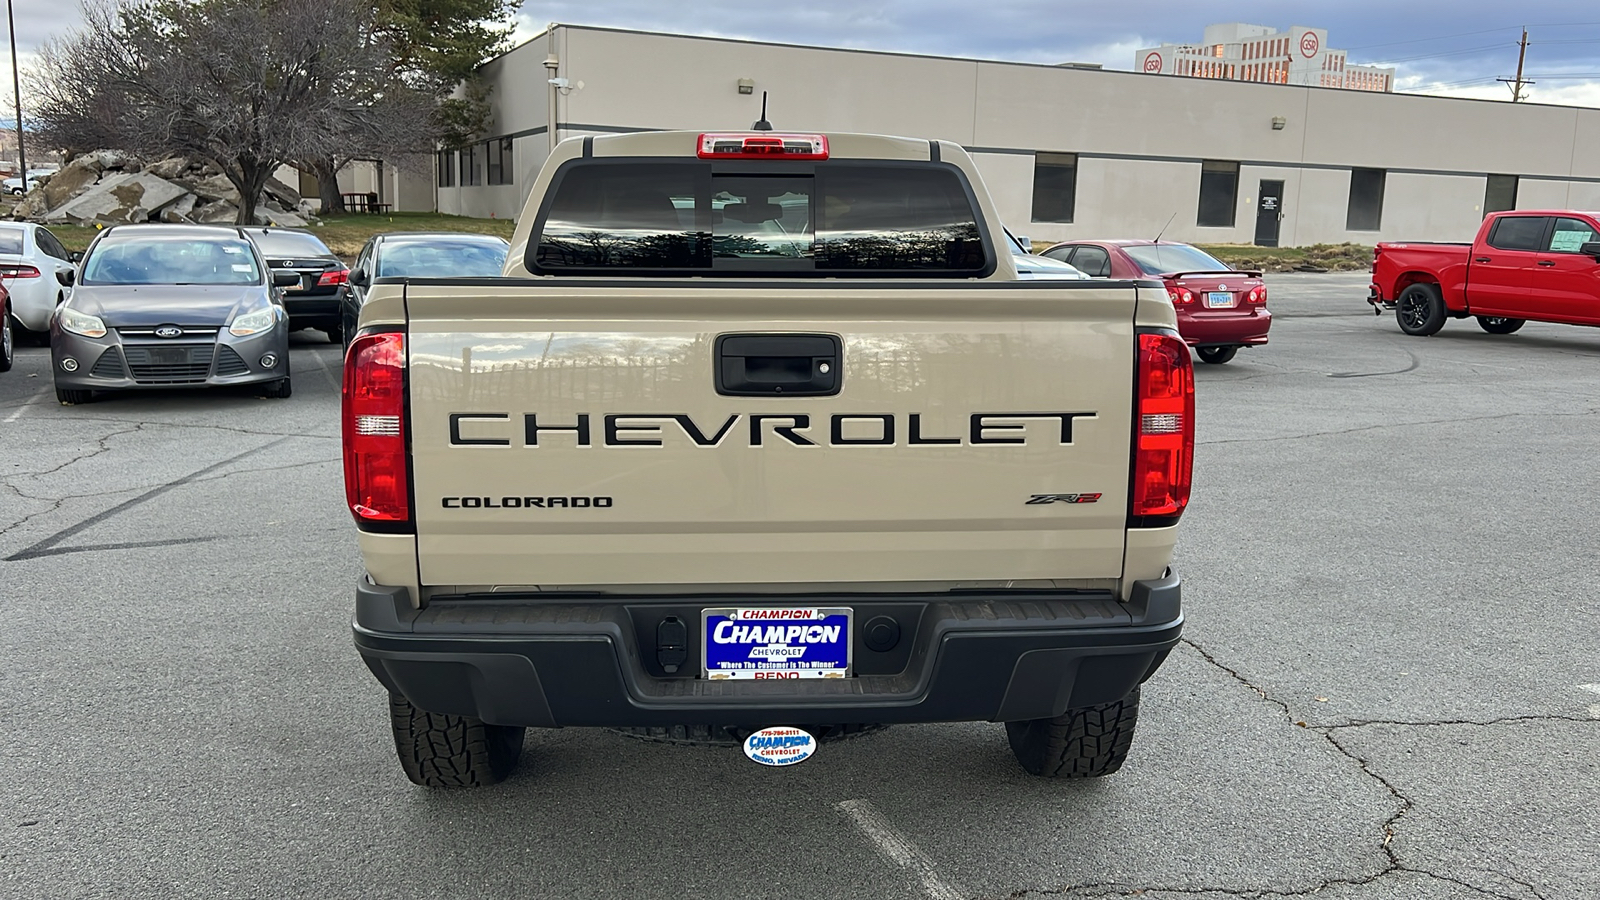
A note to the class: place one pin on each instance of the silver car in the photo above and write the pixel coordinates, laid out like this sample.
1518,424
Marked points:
170,306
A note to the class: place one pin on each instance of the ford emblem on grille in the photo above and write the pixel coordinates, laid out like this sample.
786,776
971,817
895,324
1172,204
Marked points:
169,331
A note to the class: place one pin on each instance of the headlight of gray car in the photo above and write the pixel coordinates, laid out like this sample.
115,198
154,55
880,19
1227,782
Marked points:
254,322
82,323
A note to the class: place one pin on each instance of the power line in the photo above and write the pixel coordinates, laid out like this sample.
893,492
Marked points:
1446,53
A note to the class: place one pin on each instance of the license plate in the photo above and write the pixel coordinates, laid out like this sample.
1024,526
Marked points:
169,356
1219,298
768,643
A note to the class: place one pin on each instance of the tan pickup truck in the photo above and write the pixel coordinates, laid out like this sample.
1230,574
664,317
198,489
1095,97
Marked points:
764,430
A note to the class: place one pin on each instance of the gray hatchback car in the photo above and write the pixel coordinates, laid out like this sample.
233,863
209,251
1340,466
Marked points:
170,306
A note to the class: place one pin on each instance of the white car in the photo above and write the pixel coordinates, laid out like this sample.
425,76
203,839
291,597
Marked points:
1032,267
13,185
30,257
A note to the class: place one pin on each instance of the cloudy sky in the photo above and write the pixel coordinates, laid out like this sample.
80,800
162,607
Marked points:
1454,48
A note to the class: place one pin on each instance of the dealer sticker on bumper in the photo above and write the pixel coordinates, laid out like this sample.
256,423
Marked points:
771,643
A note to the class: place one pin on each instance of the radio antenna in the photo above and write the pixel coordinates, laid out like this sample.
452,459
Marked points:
762,124
1164,227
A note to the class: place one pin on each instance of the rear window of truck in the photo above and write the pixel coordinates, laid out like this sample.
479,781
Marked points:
669,217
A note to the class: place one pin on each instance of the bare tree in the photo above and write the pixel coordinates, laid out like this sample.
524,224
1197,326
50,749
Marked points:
249,85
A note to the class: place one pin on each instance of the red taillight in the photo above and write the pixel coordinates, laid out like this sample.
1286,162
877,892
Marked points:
762,145
1163,431
336,277
16,271
1257,296
376,483
1181,296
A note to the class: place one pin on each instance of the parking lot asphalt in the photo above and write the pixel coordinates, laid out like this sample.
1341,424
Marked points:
1389,685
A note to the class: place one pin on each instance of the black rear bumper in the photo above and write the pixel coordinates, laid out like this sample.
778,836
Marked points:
969,656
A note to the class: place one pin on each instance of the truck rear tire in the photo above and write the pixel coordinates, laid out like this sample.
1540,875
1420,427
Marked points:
1216,356
1497,325
442,751
1420,310
1082,743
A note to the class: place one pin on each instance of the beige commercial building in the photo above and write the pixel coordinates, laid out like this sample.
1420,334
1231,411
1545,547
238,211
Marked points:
1067,152
1240,52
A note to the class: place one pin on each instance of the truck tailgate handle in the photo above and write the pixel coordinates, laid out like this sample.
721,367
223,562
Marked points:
767,365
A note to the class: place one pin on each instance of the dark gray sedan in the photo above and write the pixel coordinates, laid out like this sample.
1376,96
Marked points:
171,306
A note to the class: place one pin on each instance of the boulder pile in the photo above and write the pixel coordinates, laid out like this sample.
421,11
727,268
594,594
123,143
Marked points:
110,187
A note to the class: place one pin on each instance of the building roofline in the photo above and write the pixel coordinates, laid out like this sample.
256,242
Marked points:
1007,62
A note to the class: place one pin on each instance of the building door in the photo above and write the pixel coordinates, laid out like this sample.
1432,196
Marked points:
1269,213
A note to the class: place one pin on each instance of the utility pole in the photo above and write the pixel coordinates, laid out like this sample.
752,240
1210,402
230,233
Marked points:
16,87
1516,84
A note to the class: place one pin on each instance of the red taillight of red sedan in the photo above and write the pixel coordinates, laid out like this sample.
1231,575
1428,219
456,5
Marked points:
1257,296
1181,296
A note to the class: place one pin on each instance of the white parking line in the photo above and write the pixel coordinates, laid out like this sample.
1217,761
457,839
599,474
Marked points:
327,371
896,849
17,413
1594,708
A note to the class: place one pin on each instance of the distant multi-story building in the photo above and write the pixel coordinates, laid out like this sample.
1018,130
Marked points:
1240,52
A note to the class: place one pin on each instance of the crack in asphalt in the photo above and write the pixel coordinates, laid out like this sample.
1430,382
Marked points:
80,457
40,548
1317,434
145,487
227,428
1404,805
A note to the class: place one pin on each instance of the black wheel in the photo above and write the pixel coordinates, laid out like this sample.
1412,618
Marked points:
1083,743
278,390
451,751
1216,356
8,341
73,396
335,334
1420,310
1497,325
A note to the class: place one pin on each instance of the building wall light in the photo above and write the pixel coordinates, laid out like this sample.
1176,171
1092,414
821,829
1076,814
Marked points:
1278,122
747,86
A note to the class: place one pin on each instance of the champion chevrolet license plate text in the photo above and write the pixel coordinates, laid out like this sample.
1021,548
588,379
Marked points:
769,643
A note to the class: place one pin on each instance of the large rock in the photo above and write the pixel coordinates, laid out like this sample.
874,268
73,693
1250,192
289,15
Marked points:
217,212
71,180
215,188
287,197
171,168
117,159
179,212
279,218
121,198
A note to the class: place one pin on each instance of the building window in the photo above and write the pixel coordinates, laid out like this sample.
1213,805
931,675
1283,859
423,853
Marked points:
1366,200
446,162
1219,193
472,160
1055,186
1501,194
500,167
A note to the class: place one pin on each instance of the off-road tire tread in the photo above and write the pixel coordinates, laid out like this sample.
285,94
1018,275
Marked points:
1083,743
444,751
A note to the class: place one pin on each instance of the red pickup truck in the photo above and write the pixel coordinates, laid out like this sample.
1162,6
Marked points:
1539,265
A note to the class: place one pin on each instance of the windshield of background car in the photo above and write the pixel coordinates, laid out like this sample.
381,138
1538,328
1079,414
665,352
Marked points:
1159,259
172,260
833,218
441,259
290,243
11,240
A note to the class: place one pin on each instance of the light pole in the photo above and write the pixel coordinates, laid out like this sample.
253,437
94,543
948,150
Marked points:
16,87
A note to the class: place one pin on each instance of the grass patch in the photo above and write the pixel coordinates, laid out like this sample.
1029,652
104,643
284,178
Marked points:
1315,257
345,234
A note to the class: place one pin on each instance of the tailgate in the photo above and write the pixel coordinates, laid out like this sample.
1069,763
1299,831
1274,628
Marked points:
568,434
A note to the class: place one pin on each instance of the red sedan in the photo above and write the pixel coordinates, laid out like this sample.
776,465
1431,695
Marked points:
1220,309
